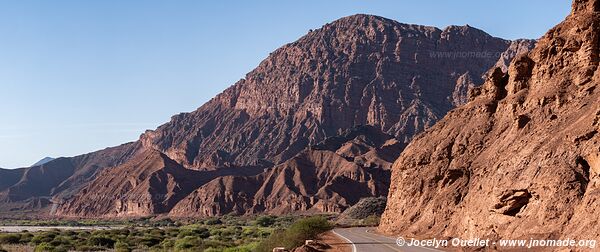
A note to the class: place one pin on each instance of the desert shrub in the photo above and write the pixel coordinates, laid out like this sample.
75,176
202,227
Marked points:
10,238
43,237
167,244
213,221
85,247
156,232
301,230
121,246
276,239
215,231
61,248
44,247
172,232
194,230
213,250
372,220
188,243
265,221
164,223
150,241
250,232
264,233
243,248
306,229
26,237
61,240
101,241
216,244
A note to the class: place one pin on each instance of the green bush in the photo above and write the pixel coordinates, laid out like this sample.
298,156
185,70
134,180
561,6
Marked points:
150,241
372,220
121,246
10,238
265,221
213,221
194,230
213,250
101,241
61,248
276,239
306,229
301,230
83,247
44,247
244,248
43,237
61,240
167,244
188,243
26,237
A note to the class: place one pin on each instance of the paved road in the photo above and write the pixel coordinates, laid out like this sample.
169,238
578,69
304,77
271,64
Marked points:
365,240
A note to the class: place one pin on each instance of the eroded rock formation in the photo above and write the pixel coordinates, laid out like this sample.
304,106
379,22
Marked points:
520,159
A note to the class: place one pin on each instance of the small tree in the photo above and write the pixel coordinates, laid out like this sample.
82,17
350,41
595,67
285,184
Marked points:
265,221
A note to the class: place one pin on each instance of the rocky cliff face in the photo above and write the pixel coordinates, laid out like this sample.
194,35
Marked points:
327,177
149,183
359,70
520,160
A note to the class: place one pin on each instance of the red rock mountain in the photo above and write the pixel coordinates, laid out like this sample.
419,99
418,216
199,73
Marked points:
521,158
359,70
327,177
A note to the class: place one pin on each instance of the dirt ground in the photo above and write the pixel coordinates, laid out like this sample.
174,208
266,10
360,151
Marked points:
337,243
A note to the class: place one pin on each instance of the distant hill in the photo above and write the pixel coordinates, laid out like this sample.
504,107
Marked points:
43,161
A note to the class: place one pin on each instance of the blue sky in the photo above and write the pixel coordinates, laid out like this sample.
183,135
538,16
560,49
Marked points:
77,76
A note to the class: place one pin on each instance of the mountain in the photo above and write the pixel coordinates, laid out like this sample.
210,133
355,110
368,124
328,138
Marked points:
58,178
520,159
315,180
147,184
358,70
327,177
9,177
43,161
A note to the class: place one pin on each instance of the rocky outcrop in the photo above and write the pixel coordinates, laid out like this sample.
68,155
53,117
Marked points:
327,177
150,183
364,208
364,213
517,47
520,160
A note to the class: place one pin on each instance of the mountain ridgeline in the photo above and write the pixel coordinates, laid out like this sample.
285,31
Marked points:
314,128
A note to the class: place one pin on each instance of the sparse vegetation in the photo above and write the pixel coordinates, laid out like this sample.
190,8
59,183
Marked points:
296,234
225,234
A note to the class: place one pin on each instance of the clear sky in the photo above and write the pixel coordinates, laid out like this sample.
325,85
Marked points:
78,76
